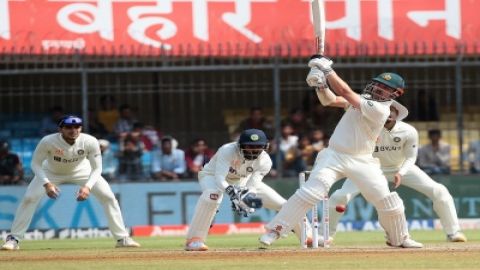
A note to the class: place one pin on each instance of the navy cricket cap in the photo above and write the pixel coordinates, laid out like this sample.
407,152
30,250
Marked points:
70,120
253,137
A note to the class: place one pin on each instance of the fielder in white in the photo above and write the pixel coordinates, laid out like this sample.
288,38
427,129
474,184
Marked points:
68,156
237,169
349,154
397,148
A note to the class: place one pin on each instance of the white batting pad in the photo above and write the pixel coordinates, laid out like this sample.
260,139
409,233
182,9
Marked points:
289,216
204,213
391,214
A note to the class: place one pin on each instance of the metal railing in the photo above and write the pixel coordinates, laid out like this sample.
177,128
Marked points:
189,96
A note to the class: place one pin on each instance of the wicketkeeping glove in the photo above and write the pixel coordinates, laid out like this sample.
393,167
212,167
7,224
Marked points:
238,205
321,62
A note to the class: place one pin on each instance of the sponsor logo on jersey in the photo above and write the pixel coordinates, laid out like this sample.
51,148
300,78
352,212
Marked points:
397,139
64,160
383,148
59,159
58,152
80,152
249,169
213,196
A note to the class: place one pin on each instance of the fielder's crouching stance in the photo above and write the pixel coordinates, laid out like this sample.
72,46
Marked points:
68,157
349,154
236,169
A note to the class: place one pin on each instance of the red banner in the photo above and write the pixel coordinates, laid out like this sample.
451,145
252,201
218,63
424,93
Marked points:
231,27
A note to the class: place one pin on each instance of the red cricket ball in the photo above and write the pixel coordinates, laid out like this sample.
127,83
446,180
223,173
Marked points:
340,208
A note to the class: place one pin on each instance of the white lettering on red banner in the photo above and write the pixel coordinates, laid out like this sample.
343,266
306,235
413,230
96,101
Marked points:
86,18
4,20
451,15
121,26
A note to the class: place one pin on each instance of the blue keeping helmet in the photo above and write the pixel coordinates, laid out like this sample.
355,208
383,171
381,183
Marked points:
252,142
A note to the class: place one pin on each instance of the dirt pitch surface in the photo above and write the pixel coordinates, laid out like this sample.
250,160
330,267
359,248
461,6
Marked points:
232,252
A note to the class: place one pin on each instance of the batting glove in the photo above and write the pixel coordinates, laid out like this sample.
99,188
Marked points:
316,78
322,63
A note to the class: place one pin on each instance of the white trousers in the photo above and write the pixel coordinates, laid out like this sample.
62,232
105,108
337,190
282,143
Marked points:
330,166
415,179
35,192
211,198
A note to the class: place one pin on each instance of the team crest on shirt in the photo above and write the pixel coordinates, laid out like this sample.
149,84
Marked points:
249,169
397,139
80,152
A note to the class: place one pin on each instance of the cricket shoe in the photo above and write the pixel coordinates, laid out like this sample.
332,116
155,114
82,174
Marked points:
457,237
127,242
408,243
11,243
321,243
195,244
268,238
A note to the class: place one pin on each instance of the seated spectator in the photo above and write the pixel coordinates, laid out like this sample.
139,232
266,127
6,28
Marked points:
474,156
274,154
50,123
109,161
299,123
434,158
287,140
168,162
317,137
108,113
255,120
130,158
11,170
300,158
148,135
95,128
125,123
196,156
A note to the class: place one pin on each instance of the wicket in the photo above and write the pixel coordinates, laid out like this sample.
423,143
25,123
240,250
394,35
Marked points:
302,178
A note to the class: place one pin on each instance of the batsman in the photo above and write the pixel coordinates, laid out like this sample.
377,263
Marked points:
237,169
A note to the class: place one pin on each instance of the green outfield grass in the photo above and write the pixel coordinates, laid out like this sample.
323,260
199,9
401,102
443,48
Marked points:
353,250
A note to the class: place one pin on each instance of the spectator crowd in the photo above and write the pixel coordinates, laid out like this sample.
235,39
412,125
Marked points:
133,151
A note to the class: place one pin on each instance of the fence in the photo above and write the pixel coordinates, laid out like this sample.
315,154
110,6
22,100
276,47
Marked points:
191,97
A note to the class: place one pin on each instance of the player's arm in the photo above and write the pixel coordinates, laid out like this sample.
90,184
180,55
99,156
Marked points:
94,156
39,155
328,98
222,166
410,150
338,85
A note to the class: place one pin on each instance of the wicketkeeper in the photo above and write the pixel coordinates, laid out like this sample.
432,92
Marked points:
237,169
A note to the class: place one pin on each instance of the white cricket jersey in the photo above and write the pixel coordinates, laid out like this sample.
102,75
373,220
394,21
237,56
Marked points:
53,157
397,148
358,129
230,167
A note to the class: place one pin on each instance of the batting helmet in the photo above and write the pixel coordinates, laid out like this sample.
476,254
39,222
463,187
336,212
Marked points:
385,86
252,142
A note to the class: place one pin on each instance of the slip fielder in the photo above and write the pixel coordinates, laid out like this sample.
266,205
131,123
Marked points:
68,156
